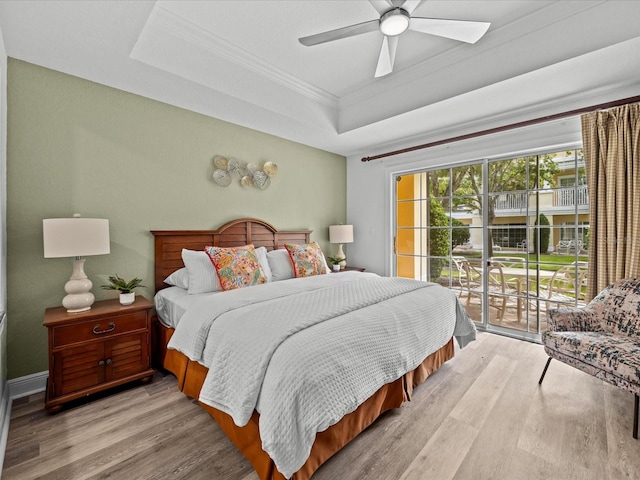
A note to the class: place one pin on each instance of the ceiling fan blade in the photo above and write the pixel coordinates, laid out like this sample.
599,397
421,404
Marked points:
381,6
411,5
344,32
462,30
387,56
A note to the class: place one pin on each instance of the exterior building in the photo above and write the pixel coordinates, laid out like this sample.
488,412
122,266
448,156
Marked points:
565,204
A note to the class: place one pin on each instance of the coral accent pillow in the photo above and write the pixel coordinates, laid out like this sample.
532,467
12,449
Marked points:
236,267
307,259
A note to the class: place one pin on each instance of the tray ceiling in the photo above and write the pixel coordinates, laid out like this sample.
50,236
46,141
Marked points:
241,61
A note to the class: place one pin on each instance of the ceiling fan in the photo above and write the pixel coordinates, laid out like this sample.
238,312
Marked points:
395,19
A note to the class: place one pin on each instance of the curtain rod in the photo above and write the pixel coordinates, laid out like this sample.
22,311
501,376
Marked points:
525,123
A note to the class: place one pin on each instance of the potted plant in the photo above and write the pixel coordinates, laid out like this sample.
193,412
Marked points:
127,295
336,262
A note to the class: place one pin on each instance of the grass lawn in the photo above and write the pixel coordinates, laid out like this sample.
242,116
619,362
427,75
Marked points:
551,262
548,261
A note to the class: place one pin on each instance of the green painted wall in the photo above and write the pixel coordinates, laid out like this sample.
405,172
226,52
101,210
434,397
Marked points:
77,146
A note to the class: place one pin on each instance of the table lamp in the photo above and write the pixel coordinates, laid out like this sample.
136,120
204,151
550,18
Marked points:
76,237
341,234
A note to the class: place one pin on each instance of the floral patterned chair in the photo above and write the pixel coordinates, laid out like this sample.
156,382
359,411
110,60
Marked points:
602,338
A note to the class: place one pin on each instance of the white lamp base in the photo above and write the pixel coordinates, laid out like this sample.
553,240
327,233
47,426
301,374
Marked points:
79,297
341,255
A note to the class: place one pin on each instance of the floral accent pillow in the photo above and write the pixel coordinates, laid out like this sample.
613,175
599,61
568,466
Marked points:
236,267
307,259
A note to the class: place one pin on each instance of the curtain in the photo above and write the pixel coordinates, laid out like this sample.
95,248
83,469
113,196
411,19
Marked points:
611,144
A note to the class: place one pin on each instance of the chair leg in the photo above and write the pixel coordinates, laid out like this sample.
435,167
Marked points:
545,371
635,418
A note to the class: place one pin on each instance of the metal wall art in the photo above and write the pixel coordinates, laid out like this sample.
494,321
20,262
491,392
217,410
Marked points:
250,175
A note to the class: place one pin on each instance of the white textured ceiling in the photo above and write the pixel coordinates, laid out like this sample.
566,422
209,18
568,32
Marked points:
241,61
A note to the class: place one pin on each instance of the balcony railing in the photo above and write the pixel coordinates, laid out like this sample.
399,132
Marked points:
562,197
511,201
568,197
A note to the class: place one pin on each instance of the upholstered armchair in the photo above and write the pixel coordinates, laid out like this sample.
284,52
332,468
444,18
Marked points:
602,338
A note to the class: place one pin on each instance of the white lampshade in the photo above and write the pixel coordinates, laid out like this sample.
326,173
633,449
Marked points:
76,237
341,234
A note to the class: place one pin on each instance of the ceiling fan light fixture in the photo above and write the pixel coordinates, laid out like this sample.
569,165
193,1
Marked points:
394,22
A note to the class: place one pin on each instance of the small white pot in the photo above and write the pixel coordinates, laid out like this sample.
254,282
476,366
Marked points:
127,298
336,267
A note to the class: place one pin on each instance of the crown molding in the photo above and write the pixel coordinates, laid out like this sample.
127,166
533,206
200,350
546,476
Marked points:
174,24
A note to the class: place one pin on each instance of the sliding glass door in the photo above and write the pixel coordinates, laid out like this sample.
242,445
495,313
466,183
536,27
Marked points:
510,236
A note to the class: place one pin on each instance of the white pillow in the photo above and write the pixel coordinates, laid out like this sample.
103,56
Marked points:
202,275
280,263
326,265
261,253
179,278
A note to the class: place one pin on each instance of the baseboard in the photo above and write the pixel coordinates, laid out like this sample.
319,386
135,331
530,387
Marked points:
28,385
5,417
17,388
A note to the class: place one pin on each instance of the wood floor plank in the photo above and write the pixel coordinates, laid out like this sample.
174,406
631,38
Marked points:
476,404
491,454
527,466
622,448
391,439
567,420
481,416
454,437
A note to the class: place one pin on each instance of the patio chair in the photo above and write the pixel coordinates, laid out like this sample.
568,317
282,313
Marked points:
567,287
519,282
469,278
601,338
508,261
471,282
568,246
456,268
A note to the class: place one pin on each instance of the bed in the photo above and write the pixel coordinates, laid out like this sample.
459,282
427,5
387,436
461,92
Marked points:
178,312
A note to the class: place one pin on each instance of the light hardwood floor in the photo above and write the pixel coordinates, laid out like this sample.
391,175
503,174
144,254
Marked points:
481,416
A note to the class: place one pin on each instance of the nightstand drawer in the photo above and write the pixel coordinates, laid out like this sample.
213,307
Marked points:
99,329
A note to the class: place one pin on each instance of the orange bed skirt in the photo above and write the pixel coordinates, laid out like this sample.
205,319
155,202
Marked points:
191,376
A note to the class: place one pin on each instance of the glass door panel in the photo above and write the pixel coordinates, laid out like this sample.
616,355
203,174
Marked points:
437,228
509,236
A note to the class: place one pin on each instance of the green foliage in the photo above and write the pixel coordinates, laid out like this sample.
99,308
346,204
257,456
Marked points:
336,260
465,184
123,286
459,233
510,175
545,233
438,239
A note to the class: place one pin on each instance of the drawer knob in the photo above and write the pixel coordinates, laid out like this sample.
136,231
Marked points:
101,362
109,361
97,331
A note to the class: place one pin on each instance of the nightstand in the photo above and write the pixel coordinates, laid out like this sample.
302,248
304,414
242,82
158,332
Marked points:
101,348
349,269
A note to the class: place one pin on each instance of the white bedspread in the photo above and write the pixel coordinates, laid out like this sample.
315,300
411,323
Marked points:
305,352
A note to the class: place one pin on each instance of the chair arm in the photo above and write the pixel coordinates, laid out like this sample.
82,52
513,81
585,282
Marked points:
573,319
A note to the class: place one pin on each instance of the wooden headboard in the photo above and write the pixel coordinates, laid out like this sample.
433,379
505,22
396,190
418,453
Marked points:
244,231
